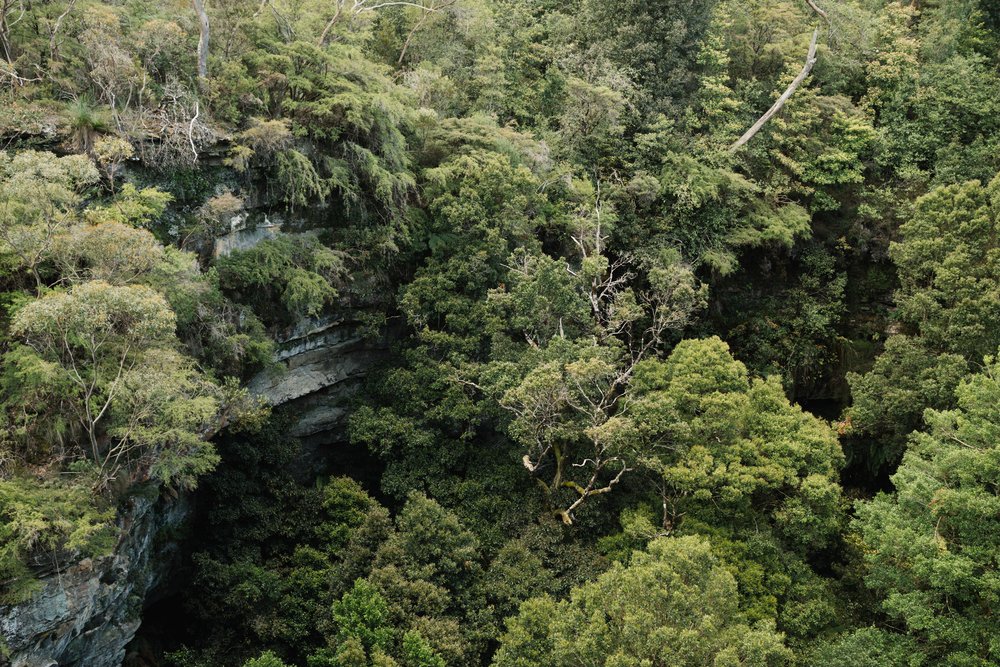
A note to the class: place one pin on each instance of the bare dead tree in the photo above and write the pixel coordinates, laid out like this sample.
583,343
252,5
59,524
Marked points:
53,47
819,11
203,25
7,8
346,8
437,6
785,96
174,132
10,77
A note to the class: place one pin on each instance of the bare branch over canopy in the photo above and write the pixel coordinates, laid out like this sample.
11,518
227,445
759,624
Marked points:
785,96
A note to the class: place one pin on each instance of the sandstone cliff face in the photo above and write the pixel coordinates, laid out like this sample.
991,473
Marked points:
85,614
320,365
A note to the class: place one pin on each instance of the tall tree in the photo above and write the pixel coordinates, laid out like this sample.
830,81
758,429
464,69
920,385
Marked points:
674,604
931,546
100,359
723,443
948,302
39,194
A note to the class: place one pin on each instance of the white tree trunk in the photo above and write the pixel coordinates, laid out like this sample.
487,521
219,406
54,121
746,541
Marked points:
199,8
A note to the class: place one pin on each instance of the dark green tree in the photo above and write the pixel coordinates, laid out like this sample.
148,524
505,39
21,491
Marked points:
930,547
674,604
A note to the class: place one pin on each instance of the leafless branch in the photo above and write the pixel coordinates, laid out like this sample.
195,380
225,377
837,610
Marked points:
194,118
419,24
55,29
785,96
819,11
361,6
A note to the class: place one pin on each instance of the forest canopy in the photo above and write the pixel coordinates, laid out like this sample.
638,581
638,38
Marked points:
687,319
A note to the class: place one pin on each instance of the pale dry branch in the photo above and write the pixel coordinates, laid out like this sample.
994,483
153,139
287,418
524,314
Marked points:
819,11
785,96
361,6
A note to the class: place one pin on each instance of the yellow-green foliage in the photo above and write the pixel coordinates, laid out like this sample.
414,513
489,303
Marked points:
52,523
600,310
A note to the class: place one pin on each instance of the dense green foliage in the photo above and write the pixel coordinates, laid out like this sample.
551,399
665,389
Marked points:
600,432
934,542
673,604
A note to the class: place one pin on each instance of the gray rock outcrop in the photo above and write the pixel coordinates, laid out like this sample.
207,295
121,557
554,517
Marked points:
320,364
85,614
